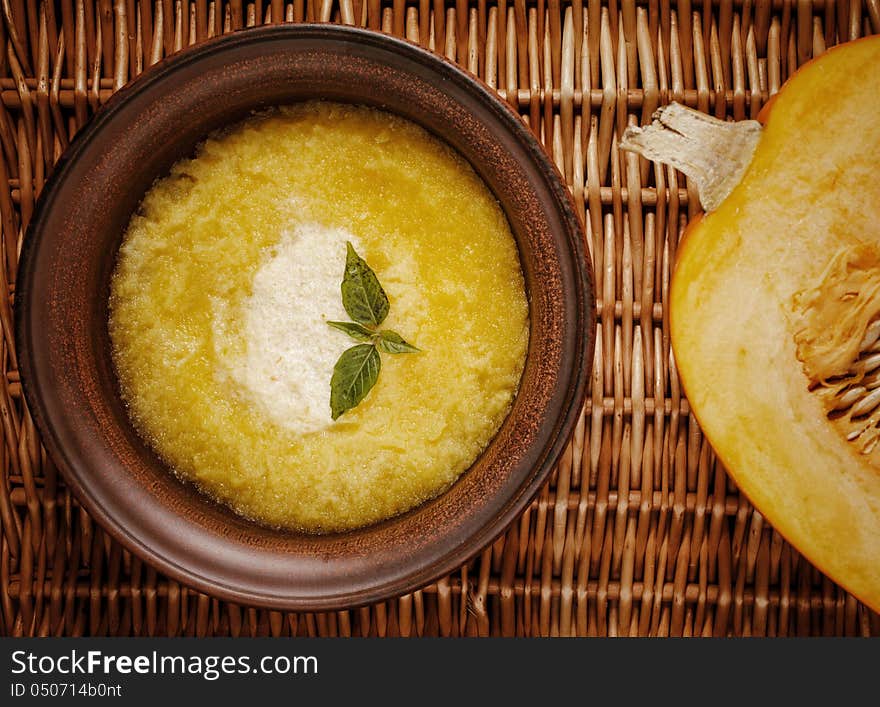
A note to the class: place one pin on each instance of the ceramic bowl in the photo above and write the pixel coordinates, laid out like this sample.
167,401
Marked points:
63,343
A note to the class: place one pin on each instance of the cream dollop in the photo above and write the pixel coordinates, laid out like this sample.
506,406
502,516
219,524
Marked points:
289,351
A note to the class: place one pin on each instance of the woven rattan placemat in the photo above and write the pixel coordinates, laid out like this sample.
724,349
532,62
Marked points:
639,531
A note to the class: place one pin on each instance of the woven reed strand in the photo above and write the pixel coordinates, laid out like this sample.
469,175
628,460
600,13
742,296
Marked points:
639,531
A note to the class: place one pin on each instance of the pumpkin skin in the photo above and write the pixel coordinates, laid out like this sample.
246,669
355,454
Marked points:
810,193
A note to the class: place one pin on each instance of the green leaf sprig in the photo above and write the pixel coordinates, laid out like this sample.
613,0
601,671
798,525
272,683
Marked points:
357,369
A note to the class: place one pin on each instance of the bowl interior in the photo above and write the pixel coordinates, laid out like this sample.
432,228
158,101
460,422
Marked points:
61,309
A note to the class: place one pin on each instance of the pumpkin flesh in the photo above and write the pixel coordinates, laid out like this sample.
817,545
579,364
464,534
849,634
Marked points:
771,296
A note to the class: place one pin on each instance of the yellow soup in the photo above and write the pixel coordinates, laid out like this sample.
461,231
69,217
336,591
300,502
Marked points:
226,279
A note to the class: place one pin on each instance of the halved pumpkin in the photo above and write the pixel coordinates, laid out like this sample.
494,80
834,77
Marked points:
775,304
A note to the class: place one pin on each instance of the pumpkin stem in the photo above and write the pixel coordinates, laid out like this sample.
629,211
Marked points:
713,153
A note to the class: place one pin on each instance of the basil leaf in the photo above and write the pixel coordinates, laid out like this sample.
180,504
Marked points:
355,331
391,342
362,295
354,374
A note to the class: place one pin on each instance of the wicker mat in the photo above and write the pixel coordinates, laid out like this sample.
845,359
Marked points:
640,531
